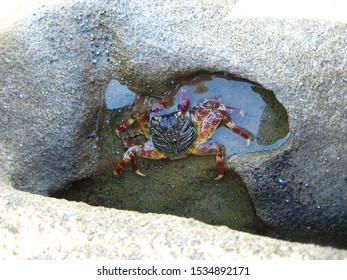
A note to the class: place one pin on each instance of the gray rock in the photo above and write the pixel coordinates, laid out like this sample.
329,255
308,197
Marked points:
78,231
56,63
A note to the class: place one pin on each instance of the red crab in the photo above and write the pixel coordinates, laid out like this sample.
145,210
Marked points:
179,133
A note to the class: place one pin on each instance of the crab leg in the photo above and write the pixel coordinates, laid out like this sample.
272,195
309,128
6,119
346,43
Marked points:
129,155
230,123
130,142
141,118
215,103
210,149
233,109
142,151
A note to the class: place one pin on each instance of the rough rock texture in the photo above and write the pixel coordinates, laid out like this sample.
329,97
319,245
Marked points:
48,103
78,231
55,64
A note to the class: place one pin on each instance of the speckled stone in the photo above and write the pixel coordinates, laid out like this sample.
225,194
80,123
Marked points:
56,62
78,231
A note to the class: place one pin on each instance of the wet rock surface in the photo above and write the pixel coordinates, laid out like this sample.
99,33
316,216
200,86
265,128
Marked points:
56,63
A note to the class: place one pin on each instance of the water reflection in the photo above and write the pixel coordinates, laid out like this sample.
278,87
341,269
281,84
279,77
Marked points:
118,96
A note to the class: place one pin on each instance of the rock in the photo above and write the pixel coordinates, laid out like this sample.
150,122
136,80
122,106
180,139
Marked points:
50,99
56,63
78,231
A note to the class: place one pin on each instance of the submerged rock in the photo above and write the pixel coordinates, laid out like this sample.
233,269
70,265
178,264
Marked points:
56,63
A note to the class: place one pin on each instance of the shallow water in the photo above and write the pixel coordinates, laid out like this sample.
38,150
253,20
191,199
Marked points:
185,187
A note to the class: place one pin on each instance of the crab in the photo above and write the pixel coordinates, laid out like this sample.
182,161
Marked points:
178,133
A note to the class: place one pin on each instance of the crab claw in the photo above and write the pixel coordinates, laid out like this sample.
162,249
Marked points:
184,101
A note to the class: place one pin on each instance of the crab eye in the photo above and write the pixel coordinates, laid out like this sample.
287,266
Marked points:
179,115
156,118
